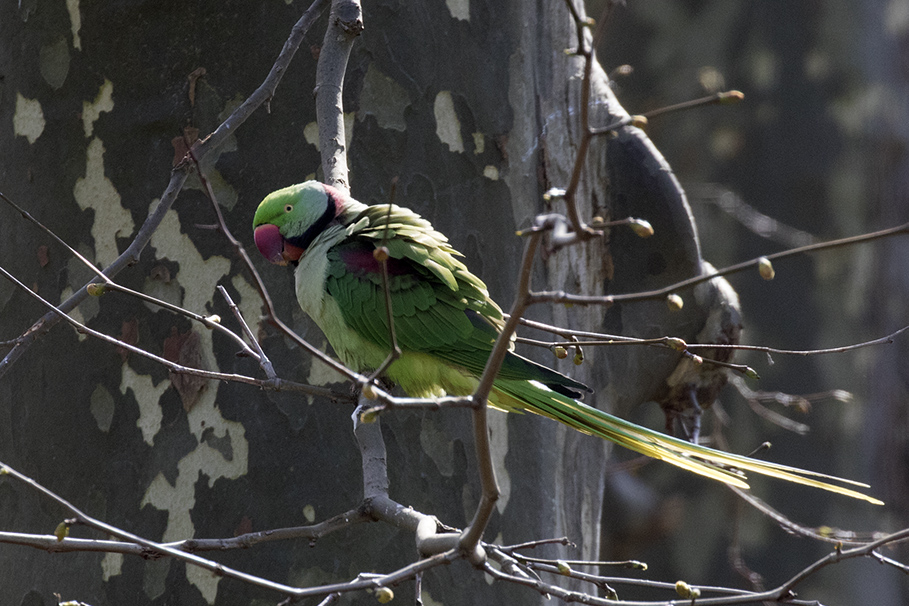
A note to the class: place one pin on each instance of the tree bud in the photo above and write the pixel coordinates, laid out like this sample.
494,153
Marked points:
95,289
380,254
384,595
765,268
62,531
641,228
676,344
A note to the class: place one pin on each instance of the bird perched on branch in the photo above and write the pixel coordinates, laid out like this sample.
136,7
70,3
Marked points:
444,322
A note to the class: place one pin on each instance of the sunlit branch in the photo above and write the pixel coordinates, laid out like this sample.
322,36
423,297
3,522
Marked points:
390,403
152,547
313,532
345,22
632,564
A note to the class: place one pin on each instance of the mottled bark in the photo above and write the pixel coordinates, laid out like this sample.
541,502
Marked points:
473,106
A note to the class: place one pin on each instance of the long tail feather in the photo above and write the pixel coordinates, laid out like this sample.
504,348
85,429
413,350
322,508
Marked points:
715,464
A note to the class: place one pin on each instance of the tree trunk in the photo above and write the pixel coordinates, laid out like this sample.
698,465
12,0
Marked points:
474,107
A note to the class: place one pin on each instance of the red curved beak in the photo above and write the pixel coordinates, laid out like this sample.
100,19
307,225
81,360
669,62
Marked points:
270,243
274,247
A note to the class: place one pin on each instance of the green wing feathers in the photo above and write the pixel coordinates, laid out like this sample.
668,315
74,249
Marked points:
407,235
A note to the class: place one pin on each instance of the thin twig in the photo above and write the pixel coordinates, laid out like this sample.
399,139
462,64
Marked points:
209,322
52,544
28,217
264,362
382,253
581,231
633,564
826,534
274,384
563,297
741,597
564,569
471,536
129,257
109,284
604,339
806,352
838,555
719,98
538,543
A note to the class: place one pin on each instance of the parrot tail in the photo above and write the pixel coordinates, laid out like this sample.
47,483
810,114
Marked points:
725,467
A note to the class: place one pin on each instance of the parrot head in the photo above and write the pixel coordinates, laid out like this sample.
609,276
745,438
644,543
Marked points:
288,220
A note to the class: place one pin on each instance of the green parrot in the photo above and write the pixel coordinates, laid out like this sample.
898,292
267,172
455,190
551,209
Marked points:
445,323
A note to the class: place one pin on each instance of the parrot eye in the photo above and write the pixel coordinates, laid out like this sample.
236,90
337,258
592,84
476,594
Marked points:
288,208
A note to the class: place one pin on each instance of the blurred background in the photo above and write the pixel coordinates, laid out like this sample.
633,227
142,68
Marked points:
820,146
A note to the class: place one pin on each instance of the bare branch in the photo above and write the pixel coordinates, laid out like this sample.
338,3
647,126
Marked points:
587,51
373,582
603,339
372,453
563,297
28,217
806,352
345,23
838,555
274,384
538,543
719,98
471,536
375,488
632,564
52,544
264,362
826,534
